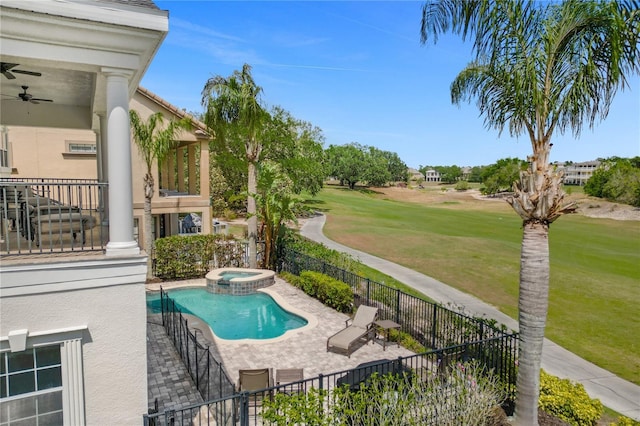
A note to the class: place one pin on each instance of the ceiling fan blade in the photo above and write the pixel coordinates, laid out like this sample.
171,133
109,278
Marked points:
33,73
5,67
41,100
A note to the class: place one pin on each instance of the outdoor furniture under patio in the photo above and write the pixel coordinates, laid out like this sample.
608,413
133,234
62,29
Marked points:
45,216
290,375
254,379
11,199
55,224
361,327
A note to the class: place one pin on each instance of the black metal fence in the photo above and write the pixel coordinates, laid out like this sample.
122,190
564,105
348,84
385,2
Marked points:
247,408
208,374
433,325
39,216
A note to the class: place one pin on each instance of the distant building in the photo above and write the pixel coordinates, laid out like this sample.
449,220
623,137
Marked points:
466,173
579,173
414,174
432,175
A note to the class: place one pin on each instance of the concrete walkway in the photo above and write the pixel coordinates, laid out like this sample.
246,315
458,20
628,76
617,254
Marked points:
618,394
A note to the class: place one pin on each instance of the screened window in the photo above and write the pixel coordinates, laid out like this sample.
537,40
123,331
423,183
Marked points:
81,148
31,387
4,148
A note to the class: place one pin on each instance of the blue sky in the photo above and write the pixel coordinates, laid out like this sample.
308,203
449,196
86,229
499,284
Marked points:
357,70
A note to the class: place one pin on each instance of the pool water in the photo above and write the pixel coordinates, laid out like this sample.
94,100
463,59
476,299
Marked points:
228,275
254,316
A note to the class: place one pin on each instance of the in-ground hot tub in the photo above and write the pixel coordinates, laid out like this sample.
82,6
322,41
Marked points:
238,281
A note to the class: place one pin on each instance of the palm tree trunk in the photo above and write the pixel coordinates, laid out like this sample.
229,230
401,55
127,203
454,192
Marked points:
268,245
533,306
252,221
148,222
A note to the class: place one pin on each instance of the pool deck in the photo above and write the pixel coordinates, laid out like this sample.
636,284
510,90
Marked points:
305,348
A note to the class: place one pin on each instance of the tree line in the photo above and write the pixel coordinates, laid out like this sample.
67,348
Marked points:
616,179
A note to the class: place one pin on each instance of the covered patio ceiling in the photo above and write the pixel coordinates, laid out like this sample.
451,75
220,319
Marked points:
72,45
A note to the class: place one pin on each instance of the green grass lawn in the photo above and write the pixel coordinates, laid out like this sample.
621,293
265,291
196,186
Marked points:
595,264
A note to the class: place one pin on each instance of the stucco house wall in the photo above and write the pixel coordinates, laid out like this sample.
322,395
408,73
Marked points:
81,304
41,151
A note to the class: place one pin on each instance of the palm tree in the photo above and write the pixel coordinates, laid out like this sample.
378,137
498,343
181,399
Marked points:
154,143
539,67
234,113
276,206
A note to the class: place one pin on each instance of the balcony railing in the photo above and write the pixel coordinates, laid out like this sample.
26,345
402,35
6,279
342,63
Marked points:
42,216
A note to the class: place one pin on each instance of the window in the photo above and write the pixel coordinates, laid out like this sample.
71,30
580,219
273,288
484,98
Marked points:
4,148
31,386
80,148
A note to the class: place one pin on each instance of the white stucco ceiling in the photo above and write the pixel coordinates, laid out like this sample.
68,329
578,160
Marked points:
63,86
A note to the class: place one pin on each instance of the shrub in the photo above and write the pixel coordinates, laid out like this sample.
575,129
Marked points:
568,401
192,256
625,421
462,185
467,396
292,279
329,291
320,251
292,409
406,341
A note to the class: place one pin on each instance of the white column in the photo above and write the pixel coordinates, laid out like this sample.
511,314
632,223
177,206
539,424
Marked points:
72,382
121,240
103,165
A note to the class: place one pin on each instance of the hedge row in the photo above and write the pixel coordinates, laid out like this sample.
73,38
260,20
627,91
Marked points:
192,256
327,290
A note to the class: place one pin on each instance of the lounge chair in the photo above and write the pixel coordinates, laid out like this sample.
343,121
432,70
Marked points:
46,216
290,375
255,380
361,327
11,199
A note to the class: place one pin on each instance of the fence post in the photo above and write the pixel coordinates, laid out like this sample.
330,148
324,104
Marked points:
195,350
398,306
169,417
320,379
180,333
162,306
187,337
244,409
368,291
433,326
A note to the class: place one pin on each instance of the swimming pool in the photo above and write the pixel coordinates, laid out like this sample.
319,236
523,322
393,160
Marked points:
254,316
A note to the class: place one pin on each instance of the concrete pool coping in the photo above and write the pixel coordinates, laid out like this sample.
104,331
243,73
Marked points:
199,324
